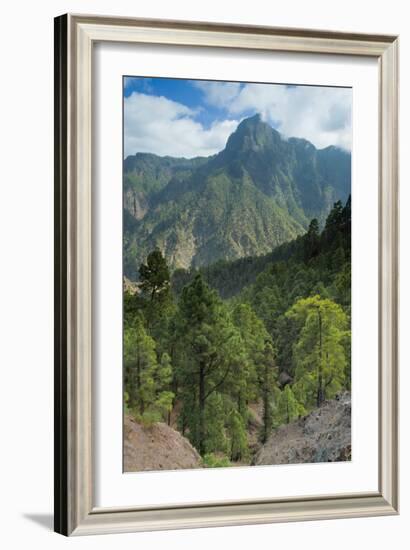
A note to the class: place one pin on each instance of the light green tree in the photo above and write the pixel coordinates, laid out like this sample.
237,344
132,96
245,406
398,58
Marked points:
288,408
216,440
319,351
254,335
237,436
146,380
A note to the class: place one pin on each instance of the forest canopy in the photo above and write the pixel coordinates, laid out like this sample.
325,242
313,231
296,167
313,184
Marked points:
228,352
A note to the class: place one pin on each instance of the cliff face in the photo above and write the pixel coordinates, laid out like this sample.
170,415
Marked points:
157,447
322,436
260,191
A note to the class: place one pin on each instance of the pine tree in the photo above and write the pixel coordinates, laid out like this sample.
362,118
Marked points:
146,380
267,377
335,222
211,346
215,414
155,299
312,241
267,303
164,396
140,365
254,335
154,275
237,435
319,353
288,408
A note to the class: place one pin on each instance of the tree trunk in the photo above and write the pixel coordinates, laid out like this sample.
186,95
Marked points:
141,407
241,404
266,416
320,393
201,409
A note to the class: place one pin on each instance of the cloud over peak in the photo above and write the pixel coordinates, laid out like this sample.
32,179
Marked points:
158,123
317,113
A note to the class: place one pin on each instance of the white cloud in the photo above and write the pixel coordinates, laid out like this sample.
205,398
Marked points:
320,114
159,125
144,84
220,94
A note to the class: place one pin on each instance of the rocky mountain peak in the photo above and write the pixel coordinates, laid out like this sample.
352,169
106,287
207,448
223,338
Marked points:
252,134
262,189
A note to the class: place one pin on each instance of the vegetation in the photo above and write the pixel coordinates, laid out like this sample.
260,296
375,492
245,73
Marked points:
204,348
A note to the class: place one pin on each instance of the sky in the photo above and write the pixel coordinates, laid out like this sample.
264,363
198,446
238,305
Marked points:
189,118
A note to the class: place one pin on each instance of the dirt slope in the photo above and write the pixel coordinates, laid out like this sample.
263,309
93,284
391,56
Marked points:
322,436
157,447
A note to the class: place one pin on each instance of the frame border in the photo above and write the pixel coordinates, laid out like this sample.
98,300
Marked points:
74,510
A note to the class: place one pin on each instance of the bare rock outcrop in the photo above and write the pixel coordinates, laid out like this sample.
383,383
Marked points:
156,447
129,286
324,435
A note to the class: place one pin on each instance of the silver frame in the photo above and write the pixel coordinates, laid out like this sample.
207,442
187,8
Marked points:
74,510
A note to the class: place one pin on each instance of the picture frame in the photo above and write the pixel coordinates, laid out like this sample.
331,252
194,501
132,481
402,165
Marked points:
75,512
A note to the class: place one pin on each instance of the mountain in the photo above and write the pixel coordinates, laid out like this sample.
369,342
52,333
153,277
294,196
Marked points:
332,249
260,191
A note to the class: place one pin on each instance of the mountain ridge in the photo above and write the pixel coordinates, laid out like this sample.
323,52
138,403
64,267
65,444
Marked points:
261,190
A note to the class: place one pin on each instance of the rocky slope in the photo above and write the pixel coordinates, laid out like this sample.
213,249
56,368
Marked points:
157,447
322,436
260,191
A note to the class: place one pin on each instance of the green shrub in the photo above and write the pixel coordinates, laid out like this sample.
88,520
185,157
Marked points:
211,460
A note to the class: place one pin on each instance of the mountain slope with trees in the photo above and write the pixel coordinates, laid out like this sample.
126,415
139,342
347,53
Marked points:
227,358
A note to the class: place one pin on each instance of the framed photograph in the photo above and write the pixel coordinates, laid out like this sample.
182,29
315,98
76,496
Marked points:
226,246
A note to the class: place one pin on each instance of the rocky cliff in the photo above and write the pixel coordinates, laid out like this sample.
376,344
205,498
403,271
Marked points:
322,436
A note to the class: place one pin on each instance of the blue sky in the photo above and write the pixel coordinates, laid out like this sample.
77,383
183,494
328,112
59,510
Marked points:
190,118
